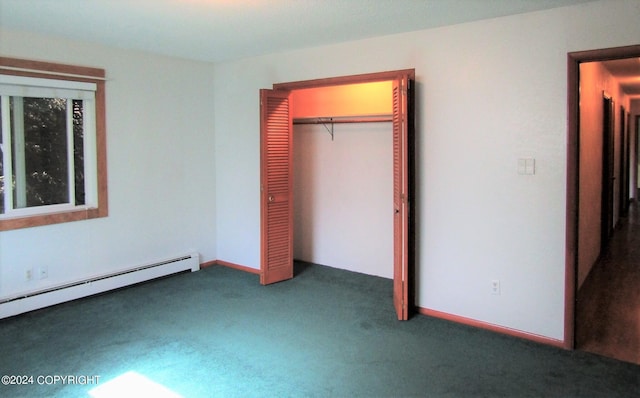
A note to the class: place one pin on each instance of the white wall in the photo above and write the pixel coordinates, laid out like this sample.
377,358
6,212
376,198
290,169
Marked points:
160,168
489,92
343,196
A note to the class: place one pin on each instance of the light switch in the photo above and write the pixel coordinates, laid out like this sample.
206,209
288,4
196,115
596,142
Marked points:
522,166
526,166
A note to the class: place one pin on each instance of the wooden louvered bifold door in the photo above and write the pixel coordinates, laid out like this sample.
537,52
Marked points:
276,221
400,200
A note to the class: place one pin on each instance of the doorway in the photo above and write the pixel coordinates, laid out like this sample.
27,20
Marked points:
625,162
276,180
586,236
607,219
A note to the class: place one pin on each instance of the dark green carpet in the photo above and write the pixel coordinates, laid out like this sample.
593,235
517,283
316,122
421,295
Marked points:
326,333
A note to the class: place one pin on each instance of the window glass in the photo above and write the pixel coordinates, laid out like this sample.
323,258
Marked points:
78,150
41,132
40,163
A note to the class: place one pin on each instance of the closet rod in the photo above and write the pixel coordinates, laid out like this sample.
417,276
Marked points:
359,119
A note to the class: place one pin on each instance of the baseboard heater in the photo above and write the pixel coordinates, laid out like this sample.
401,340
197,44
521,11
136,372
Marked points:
20,303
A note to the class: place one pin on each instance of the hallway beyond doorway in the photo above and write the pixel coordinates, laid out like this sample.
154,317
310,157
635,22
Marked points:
608,303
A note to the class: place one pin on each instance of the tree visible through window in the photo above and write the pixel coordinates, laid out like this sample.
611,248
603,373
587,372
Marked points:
46,176
52,151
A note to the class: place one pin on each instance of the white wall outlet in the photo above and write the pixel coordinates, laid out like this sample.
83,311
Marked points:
28,274
495,287
43,272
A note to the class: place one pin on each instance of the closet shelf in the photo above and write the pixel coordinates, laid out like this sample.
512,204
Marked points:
344,119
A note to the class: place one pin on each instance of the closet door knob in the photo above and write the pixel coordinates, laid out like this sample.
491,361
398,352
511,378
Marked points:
271,198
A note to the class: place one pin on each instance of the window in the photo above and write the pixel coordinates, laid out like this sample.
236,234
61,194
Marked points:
52,143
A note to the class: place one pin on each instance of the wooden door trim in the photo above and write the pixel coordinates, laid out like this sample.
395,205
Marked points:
574,59
342,80
625,164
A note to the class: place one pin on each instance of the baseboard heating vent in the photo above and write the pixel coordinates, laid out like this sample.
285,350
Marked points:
24,302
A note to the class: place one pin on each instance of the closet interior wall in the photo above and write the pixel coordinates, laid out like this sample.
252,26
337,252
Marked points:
343,177
343,196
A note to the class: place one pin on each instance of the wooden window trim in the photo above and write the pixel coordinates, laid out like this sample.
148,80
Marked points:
49,70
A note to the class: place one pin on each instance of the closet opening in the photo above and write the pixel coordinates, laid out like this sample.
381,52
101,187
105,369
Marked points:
343,177
358,131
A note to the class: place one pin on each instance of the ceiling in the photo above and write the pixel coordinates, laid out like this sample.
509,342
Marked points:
223,30
627,72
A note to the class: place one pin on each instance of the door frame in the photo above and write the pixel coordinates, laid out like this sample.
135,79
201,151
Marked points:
405,278
635,133
625,164
574,59
607,212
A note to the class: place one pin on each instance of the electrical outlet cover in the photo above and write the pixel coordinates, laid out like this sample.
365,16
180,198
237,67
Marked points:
495,286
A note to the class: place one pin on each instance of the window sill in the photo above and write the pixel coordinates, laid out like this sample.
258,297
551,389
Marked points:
7,224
